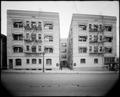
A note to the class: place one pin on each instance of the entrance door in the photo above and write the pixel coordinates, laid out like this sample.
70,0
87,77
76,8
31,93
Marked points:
10,64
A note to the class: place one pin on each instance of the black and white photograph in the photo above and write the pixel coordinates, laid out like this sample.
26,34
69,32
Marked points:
59,48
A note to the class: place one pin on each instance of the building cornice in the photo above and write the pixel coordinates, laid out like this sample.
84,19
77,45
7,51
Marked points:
32,13
90,16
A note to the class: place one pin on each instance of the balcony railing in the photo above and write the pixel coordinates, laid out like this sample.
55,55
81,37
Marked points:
97,53
30,52
30,40
93,41
96,41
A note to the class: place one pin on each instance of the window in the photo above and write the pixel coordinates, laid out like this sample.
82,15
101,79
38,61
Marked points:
95,27
100,37
90,48
95,49
40,61
39,36
17,49
101,48
33,48
27,47
108,28
48,61
39,48
18,62
109,59
82,27
90,38
48,50
82,38
108,39
48,38
27,36
17,37
82,61
33,61
17,24
33,36
33,26
95,61
39,26
27,26
48,26
100,27
108,49
27,61
95,38
82,49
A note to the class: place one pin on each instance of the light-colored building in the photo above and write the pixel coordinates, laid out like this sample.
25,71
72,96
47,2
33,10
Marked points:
29,34
91,40
63,52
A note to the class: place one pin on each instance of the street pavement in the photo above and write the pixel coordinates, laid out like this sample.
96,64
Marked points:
59,84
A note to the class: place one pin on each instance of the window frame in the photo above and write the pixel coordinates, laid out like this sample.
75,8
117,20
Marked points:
83,61
82,49
34,61
18,61
34,49
95,60
27,61
48,61
40,61
17,49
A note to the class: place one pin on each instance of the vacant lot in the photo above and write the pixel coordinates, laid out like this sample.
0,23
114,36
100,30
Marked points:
45,84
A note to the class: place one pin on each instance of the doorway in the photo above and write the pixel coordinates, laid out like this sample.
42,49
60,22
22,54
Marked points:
63,64
10,63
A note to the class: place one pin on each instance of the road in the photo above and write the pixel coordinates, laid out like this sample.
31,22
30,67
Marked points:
45,84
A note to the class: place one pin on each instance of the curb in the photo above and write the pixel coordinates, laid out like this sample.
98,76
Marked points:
56,72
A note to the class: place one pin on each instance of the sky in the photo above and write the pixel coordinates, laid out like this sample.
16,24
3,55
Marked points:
65,10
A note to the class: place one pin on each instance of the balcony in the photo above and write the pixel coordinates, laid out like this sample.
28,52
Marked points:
33,28
96,28
96,53
96,41
30,52
97,31
93,41
29,40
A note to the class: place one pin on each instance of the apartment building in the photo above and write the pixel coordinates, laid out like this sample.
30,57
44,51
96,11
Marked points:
32,40
63,53
91,40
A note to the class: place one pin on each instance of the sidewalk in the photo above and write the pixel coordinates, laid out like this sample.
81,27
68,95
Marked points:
55,71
